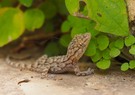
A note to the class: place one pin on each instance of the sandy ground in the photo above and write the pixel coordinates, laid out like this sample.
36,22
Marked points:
110,82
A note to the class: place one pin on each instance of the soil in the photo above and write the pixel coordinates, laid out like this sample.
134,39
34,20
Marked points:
16,82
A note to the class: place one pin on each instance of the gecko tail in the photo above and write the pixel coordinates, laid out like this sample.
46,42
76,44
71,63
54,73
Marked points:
19,64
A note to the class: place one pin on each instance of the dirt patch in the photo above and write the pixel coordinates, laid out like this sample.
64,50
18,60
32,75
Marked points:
110,82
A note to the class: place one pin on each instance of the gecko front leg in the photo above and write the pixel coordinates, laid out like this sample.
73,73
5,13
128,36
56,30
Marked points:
42,66
78,72
44,73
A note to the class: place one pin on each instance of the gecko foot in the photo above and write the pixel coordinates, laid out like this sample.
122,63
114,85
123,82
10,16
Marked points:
44,75
47,76
89,71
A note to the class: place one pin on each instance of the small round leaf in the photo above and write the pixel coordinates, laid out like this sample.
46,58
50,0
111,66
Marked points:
130,40
119,43
51,49
132,64
114,52
34,19
65,40
103,42
97,56
132,50
26,3
124,66
65,26
106,54
77,30
91,49
103,64
112,45
49,9
72,6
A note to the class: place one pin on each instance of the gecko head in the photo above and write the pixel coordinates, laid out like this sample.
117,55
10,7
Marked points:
81,40
78,45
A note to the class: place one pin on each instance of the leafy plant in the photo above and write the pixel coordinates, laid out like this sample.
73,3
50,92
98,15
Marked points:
111,30
16,16
106,20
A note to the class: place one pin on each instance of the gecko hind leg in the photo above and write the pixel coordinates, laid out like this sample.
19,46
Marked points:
44,75
77,71
44,72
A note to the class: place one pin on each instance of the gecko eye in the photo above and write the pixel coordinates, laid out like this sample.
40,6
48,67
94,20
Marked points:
82,45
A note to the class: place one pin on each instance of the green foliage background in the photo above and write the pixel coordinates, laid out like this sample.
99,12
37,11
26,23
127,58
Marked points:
106,20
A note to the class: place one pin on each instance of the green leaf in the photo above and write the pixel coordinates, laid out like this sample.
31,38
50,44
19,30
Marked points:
60,4
65,40
103,64
11,24
97,56
91,27
84,11
130,40
34,19
114,52
26,3
132,50
5,3
54,49
106,54
77,30
79,22
91,50
65,26
82,26
110,16
49,9
103,42
74,20
124,66
48,27
132,64
72,6
119,43
112,44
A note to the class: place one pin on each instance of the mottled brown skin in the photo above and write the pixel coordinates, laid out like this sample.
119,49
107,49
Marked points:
60,64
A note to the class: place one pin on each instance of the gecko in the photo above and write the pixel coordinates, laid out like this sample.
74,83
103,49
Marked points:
60,64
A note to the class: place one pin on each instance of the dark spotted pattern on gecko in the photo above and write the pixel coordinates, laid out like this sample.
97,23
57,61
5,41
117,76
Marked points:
60,64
